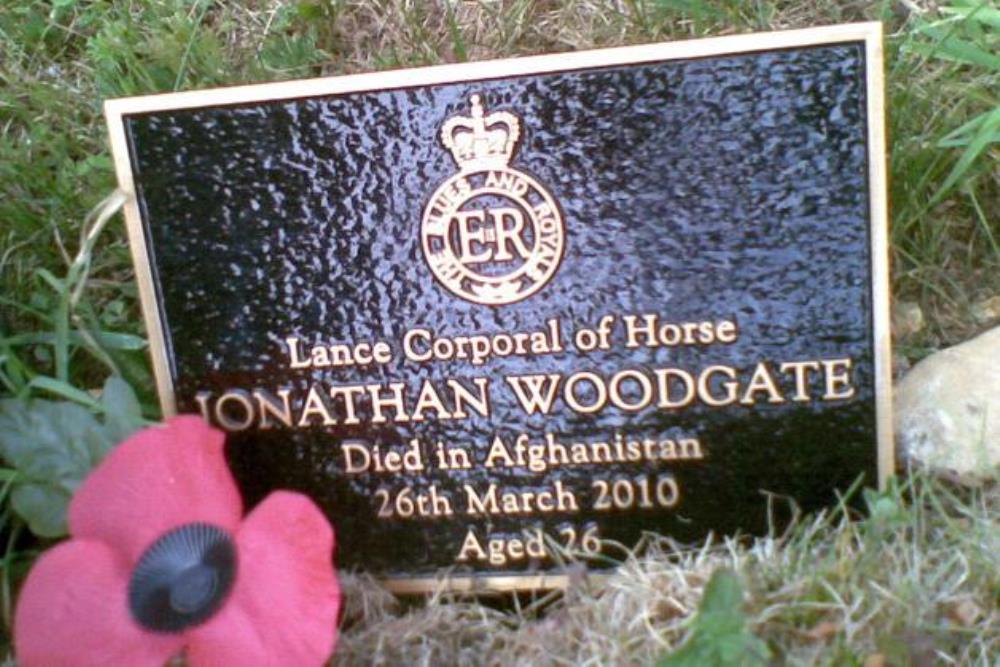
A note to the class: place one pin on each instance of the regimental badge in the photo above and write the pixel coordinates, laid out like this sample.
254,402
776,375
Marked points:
491,234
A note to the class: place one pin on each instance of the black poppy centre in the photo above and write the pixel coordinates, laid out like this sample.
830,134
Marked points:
183,578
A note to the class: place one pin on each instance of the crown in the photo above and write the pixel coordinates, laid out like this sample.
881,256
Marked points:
480,141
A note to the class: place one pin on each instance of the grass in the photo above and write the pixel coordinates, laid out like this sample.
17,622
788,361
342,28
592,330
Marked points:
838,589
913,581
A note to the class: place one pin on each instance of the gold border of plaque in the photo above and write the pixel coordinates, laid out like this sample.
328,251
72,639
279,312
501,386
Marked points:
869,33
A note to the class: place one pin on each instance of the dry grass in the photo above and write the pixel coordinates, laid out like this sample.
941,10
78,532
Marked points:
915,580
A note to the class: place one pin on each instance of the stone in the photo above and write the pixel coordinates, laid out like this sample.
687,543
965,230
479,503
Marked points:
907,319
947,410
965,612
987,310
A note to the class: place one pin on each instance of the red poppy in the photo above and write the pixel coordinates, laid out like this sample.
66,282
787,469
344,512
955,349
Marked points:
161,560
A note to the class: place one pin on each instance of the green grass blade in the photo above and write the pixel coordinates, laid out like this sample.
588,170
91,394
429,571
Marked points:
455,33
961,135
59,286
980,12
195,28
65,390
34,312
949,47
987,229
107,339
977,146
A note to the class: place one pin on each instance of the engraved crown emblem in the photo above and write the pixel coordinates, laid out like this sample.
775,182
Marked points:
481,141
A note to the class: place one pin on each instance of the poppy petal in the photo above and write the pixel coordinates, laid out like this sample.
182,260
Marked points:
283,608
72,610
160,478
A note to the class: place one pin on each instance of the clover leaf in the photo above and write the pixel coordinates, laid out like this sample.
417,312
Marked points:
719,635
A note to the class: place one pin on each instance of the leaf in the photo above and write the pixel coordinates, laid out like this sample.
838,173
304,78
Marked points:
30,432
120,341
122,411
719,635
53,446
43,507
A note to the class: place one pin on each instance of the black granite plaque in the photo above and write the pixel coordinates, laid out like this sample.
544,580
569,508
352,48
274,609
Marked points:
483,313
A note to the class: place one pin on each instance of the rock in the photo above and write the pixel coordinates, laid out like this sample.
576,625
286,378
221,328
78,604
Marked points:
965,612
987,310
907,319
947,410
875,660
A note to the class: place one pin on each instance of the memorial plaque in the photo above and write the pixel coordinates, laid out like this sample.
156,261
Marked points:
483,313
